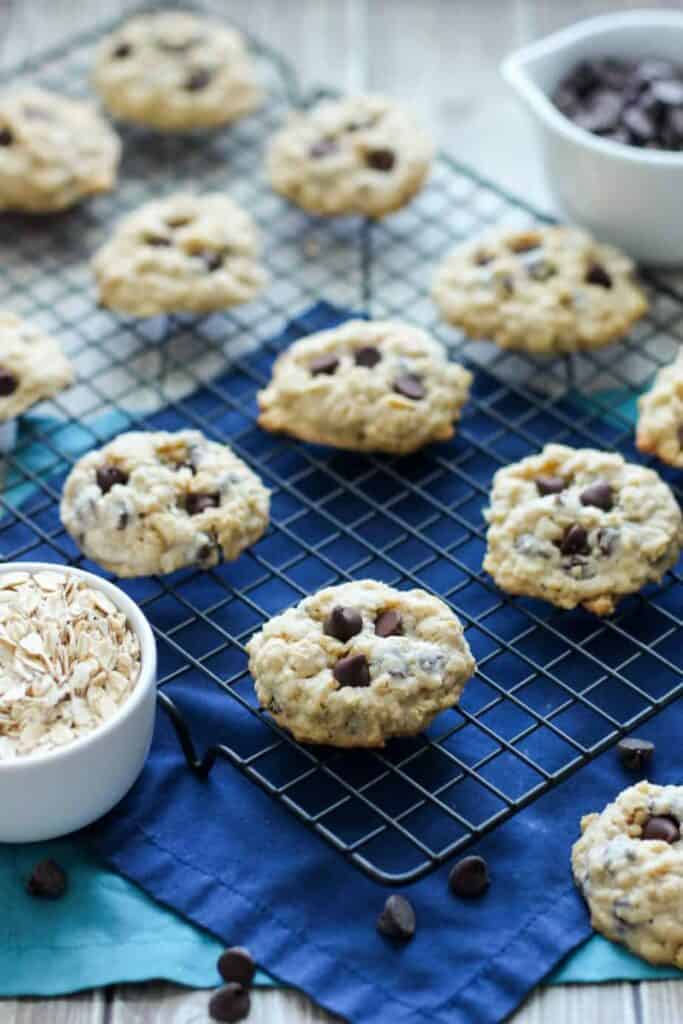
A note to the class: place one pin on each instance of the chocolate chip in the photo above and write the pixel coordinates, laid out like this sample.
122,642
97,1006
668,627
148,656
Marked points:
326,147
634,753
230,1004
353,670
469,877
48,880
397,920
343,623
157,240
380,159
668,92
212,260
600,494
368,356
179,221
410,386
549,485
482,258
389,623
662,826
541,270
8,383
326,363
648,71
197,503
639,123
181,47
596,274
122,50
237,964
6,137
109,475
607,540
583,78
198,80
602,115
574,541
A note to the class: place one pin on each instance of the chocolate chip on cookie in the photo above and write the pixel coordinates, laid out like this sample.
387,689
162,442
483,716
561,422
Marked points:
353,670
230,1003
343,623
389,623
122,50
8,383
596,274
326,363
326,147
368,356
109,475
198,503
410,386
540,269
549,485
381,159
600,495
574,540
397,920
663,827
198,80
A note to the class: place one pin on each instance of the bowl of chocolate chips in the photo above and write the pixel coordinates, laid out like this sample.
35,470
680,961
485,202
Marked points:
607,98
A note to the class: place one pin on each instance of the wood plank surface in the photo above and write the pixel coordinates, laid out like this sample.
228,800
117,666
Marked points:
387,45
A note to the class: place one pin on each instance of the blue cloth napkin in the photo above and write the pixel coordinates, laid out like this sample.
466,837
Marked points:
199,847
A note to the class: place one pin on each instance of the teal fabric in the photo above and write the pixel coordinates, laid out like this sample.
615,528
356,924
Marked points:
106,930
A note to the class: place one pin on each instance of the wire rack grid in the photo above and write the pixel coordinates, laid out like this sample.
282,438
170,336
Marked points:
553,688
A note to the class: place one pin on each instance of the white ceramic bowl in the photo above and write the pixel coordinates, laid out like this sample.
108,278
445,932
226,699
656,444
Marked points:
46,795
623,194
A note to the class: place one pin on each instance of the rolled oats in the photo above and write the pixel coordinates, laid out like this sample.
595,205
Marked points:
68,660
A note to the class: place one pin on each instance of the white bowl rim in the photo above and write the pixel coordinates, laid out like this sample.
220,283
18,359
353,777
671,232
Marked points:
146,678
513,69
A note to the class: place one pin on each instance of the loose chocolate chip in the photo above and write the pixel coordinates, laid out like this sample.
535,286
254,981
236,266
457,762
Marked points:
389,623
157,240
368,356
469,877
196,503
8,383
662,826
600,494
326,363
410,386
397,920
380,159
326,147
230,1004
668,92
634,753
352,671
6,137
596,274
108,475
549,485
198,80
48,880
541,270
343,623
574,541
122,50
236,964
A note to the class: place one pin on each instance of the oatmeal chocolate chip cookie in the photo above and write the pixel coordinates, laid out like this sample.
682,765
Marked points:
150,503
545,290
660,415
175,71
366,386
183,253
54,151
358,663
32,366
580,526
361,155
628,864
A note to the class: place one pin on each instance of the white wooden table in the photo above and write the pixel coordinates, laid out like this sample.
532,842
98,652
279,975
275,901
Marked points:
441,55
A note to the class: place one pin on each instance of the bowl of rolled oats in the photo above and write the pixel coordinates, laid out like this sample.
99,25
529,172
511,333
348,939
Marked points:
77,698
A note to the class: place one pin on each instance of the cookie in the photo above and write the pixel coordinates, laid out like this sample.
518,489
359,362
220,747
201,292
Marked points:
358,663
183,253
150,503
660,415
360,155
545,290
628,864
32,366
366,386
176,71
576,526
54,151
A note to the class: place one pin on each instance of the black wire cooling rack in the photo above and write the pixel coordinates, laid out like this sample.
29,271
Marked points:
553,688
